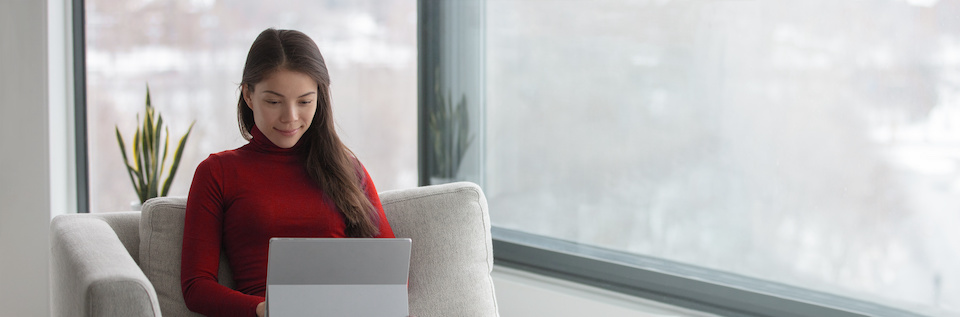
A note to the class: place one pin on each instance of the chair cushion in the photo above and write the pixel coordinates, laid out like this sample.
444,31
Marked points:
161,241
452,254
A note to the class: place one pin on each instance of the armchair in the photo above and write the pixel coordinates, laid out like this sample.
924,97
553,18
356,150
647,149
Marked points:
128,263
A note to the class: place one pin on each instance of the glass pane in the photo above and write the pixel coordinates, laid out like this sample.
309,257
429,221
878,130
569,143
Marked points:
815,143
192,54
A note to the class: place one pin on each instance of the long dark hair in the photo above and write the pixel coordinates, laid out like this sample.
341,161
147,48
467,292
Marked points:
328,161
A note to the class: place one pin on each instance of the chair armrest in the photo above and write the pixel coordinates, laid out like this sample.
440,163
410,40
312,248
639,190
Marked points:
93,273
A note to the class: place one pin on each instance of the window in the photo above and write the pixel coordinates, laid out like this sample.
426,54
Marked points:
191,53
763,147
807,143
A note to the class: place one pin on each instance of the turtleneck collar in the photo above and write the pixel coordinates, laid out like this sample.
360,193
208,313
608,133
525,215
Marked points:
261,143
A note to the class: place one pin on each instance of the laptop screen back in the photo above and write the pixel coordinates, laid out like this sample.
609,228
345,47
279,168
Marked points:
337,277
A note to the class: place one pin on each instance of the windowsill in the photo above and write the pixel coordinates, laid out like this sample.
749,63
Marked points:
521,293
669,282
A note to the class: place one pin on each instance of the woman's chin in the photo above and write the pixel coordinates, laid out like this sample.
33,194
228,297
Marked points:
284,142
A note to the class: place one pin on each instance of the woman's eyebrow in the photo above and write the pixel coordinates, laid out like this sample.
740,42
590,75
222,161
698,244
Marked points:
281,95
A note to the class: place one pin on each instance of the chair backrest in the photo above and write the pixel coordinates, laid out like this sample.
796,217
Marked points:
451,259
161,242
452,254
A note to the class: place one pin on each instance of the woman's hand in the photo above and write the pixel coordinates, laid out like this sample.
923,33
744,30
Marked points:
261,309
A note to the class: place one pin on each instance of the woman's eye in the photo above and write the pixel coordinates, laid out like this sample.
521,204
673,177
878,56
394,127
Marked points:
272,102
306,102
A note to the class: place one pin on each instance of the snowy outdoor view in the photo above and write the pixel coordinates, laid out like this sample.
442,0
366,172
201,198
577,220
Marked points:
192,52
815,143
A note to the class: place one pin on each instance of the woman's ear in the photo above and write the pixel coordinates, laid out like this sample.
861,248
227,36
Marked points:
245,91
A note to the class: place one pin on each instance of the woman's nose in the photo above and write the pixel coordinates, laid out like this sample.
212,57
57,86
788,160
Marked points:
289,113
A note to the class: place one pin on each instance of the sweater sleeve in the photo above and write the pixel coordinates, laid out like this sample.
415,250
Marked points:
371,190
200,260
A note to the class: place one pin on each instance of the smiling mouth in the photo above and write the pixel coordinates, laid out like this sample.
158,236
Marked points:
288,132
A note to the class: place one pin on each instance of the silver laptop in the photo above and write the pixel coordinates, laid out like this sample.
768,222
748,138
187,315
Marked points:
337,277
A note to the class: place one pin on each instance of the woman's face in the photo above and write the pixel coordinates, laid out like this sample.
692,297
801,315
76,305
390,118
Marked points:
283,106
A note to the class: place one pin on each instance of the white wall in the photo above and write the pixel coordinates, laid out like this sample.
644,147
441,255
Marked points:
521,294
24,162
28,145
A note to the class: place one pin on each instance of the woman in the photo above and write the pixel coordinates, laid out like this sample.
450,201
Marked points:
294,178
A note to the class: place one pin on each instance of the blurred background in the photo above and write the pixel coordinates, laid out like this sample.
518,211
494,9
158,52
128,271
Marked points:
191,53
813,143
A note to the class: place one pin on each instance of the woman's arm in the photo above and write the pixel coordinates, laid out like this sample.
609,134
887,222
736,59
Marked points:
200,260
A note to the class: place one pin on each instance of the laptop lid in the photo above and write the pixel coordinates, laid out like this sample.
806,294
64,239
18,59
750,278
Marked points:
338,277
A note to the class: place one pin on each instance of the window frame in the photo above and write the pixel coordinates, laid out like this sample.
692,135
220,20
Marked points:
80,104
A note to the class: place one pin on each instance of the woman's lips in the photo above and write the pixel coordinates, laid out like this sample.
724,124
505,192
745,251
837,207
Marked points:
288,132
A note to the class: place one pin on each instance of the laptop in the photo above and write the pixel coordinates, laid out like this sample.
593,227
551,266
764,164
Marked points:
338,277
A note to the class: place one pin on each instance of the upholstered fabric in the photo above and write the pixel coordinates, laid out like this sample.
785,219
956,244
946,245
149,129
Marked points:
161,239
92,270
95,274
452,255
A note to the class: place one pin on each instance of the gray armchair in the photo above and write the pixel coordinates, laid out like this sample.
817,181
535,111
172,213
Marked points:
128,263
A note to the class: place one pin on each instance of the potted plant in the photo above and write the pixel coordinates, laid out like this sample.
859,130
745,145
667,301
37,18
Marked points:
148,161
450,136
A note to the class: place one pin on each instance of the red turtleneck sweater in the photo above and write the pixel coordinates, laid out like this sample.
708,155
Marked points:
238,200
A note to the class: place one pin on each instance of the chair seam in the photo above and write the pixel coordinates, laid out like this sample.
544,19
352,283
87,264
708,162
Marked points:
165,203
150,244
430,195
486,246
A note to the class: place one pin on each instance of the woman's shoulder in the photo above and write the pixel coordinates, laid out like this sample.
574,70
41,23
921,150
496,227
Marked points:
221,158
230,154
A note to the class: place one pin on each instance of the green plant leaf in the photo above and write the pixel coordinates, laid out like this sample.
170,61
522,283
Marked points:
123,147
146,168
132,173
155,158
148,131
464,139
166,145
126,162
138,159
147,102
176,159
449,136
136,144
144,157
